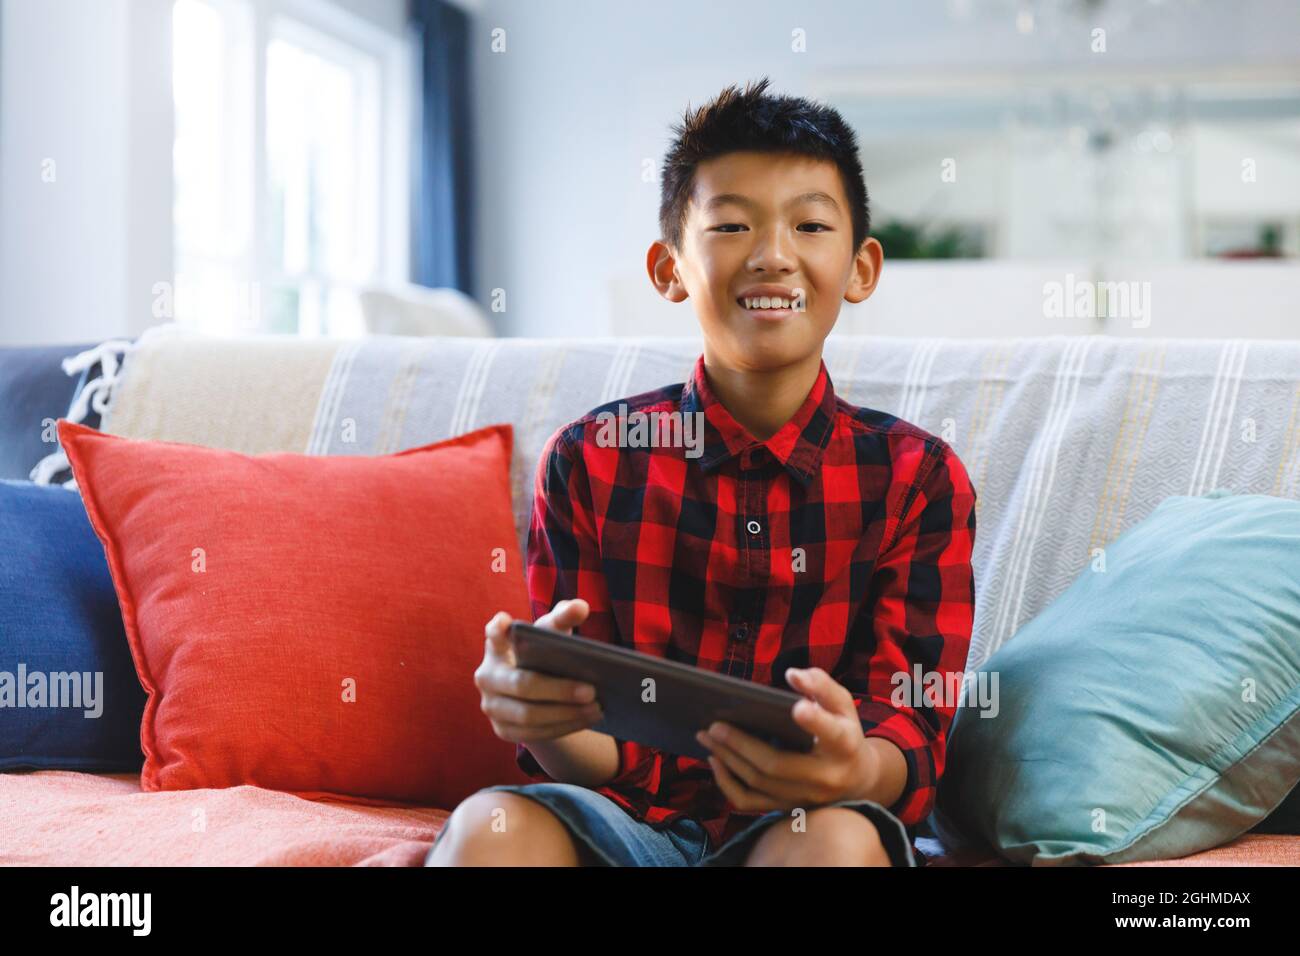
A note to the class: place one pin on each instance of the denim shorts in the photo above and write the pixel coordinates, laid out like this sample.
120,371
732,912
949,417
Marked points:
615,838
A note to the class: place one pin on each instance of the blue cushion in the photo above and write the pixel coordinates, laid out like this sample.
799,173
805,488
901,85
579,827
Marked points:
1153,709
59,616
33,388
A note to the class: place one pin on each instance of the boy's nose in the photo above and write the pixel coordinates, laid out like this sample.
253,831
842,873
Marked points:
772,250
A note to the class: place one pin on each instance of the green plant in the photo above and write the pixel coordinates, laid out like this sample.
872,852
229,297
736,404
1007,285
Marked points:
903,240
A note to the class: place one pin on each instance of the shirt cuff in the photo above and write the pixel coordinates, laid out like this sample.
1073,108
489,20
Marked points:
529,765
622,762
884,720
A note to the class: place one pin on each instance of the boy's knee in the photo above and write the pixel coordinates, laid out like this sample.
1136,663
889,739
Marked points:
494,827
845,837
834,836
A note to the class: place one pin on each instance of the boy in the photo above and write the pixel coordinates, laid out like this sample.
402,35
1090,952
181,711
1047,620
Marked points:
812,544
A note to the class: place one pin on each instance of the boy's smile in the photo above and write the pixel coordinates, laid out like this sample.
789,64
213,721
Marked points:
766,258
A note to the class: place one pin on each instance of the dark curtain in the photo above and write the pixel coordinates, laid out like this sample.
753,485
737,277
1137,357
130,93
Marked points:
441,193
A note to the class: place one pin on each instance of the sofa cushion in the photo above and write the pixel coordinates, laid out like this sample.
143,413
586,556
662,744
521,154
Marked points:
33,388
1069,440
310,624
1153,710
69,697
61,818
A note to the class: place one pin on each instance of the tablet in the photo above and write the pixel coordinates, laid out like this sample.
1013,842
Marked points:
685,699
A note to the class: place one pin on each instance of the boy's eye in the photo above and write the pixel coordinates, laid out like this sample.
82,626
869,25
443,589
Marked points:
735,226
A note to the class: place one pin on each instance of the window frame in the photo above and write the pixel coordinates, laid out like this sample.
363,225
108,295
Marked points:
324,28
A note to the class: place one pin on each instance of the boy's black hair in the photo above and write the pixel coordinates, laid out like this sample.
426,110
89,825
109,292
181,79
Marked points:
755,120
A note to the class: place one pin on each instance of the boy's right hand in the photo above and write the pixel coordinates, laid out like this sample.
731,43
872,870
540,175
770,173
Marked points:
525,705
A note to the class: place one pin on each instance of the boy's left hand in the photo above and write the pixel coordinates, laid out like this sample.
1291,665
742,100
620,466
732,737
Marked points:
756,776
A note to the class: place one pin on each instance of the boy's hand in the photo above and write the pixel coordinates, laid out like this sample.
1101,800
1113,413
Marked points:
524,705
757,776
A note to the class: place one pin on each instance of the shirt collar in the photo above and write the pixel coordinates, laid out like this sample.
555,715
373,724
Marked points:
799,443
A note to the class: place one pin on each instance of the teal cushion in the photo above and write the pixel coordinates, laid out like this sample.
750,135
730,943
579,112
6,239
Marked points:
1151,710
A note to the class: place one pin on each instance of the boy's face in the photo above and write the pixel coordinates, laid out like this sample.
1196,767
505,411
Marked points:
766,219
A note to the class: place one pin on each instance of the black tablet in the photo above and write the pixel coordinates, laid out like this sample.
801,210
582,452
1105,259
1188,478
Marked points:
685,699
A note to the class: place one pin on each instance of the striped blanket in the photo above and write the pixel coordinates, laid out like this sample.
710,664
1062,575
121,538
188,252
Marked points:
1068,440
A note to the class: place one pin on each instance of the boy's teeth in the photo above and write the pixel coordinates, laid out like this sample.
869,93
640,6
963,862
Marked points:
767,302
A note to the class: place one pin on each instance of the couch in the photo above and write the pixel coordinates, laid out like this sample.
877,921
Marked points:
1069,440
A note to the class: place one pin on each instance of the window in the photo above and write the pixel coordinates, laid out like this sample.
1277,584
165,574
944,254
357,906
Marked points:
288,113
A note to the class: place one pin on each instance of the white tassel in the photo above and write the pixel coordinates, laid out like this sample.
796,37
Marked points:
95,392
98,391
49,466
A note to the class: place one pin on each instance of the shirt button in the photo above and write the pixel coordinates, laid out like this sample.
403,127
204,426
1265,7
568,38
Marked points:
754,527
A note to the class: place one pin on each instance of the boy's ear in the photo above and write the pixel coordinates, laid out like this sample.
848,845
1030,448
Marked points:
866,270
661,264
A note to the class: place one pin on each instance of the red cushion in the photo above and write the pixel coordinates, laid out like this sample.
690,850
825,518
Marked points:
316,574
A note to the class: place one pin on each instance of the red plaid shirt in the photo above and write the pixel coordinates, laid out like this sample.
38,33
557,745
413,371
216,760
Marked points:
842,542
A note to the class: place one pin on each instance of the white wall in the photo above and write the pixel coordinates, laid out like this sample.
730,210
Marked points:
585,93
85,167
565,122
87,84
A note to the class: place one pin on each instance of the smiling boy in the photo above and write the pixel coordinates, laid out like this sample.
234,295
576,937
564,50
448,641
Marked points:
813,544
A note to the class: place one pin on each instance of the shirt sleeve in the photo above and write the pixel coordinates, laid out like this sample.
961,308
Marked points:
921,617
563,555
